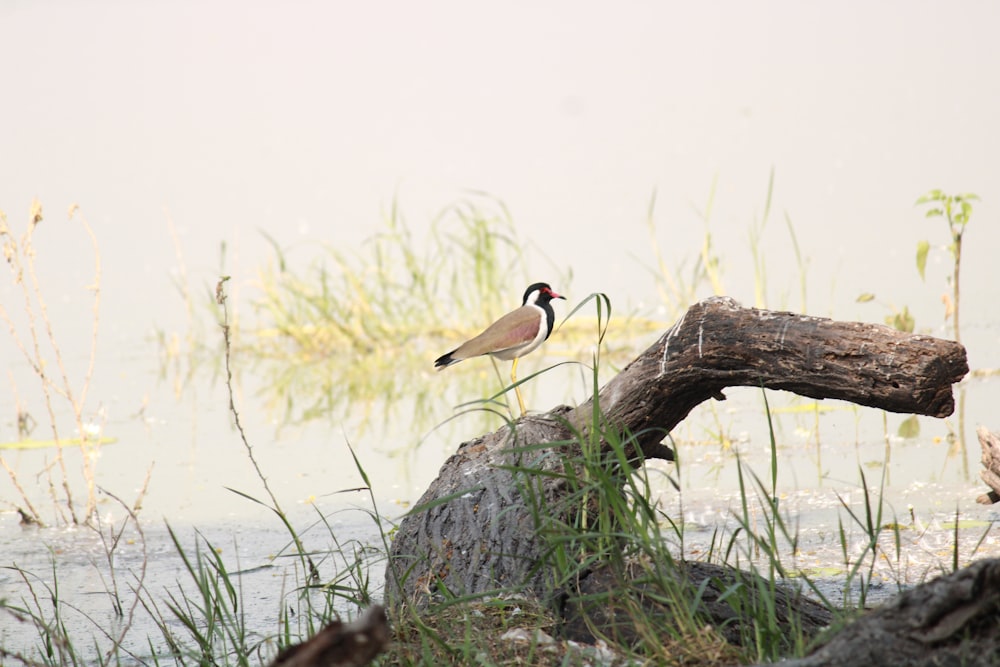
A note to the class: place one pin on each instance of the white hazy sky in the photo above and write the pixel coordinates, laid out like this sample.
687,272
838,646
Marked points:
305,119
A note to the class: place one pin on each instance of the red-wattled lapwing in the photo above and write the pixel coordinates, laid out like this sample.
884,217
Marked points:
512,336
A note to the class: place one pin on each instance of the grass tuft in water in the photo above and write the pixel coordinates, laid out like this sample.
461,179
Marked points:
324,326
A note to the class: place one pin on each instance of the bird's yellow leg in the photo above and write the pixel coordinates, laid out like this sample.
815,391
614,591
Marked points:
517,390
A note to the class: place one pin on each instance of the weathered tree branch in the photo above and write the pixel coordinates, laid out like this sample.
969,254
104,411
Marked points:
472,531
990,443
718,344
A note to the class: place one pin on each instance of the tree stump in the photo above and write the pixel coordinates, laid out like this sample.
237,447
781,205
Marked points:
473,533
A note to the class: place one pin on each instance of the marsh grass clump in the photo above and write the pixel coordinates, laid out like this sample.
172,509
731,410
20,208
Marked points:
616,559
356,327
359,328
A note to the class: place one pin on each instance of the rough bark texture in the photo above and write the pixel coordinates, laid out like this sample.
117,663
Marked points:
718,344
953,620
472,531
990,442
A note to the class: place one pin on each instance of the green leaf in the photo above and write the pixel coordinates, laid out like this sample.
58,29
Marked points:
934,213
901,321
865,298
933,195
966,212
909,428
922,248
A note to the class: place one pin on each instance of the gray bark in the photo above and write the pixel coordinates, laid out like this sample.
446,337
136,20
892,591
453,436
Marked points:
473,533
952,620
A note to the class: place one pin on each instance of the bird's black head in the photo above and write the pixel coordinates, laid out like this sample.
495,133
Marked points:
540,294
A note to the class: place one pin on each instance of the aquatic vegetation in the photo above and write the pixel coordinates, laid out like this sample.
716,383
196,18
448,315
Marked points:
956,210
357,330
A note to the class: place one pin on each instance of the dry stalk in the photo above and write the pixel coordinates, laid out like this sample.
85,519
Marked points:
20,255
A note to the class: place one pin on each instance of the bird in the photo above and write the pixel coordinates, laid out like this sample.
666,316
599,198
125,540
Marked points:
512,336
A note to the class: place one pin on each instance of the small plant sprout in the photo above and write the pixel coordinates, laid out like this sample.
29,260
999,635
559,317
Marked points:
956,209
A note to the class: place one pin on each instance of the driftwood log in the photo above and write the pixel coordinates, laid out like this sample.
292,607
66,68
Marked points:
990,442
472,531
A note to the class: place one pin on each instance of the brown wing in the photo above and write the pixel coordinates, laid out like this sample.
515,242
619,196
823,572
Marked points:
515,329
